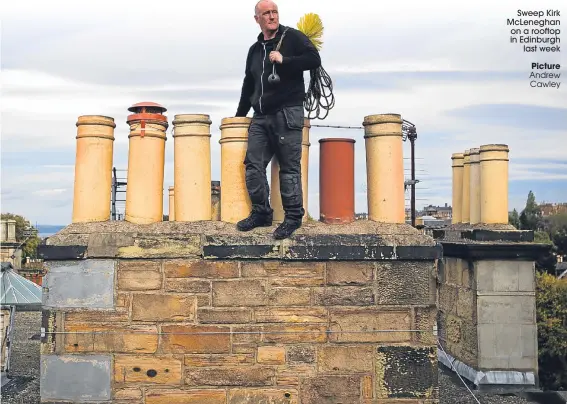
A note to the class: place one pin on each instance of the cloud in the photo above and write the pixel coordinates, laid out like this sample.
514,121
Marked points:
453,73
515,115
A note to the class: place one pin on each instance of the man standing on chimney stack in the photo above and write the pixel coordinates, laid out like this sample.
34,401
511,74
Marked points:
274,87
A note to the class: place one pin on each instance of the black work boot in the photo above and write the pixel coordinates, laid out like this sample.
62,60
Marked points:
286,229
253,221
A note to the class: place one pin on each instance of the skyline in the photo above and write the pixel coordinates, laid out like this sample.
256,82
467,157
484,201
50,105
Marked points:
455,75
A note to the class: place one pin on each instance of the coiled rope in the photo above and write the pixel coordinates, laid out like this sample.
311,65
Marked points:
319,98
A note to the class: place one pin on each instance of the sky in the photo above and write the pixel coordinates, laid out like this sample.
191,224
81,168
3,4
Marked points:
447,67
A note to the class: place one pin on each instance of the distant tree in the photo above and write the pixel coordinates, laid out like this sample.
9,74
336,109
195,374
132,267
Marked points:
531,215
560,241
514,219
25,233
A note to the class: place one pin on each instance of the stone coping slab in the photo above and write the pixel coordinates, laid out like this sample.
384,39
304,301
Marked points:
470,250
359,240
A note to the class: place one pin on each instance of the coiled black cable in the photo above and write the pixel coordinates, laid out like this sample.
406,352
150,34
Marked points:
320,97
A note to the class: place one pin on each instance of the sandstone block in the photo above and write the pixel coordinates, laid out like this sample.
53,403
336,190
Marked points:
138,265
331,390
132,393
466,305
343,296
292,315
159,307
349,273
162,246
139,280
283,269
249,376
406,372
246,292
370,325
218,360
289,296
97,316
195,339
110,338
246,334
367,387
296,282
201,269
448,298
185,285
287,380
224,316
426,320
203,300
123,300
171,396
294,334
271,355
147,369
405,282
268,396
345,359
300,354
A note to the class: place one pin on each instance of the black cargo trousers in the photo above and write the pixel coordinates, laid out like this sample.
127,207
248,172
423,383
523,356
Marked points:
280,133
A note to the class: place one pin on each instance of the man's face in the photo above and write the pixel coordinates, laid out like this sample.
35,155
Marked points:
267,16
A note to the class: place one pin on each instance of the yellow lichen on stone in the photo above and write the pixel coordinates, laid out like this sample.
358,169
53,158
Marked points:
381,363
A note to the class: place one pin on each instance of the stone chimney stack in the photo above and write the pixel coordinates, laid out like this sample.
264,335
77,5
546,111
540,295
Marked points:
482,186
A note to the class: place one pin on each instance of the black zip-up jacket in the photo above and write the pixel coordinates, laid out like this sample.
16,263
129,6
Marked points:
298,55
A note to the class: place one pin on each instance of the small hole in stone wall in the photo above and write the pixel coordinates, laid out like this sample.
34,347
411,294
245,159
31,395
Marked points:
287,395
75,345
166,370
151,373
137,369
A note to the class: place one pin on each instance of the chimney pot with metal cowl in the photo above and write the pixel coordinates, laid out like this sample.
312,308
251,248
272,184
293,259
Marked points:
336,180
494,183
235,201
146,156
93,168
384,168
457,168
275,192
192,167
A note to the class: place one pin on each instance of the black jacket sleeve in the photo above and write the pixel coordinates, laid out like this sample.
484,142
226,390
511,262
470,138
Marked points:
307,56
244,104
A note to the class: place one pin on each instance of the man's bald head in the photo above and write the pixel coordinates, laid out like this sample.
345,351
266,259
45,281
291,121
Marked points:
262,4
267,16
